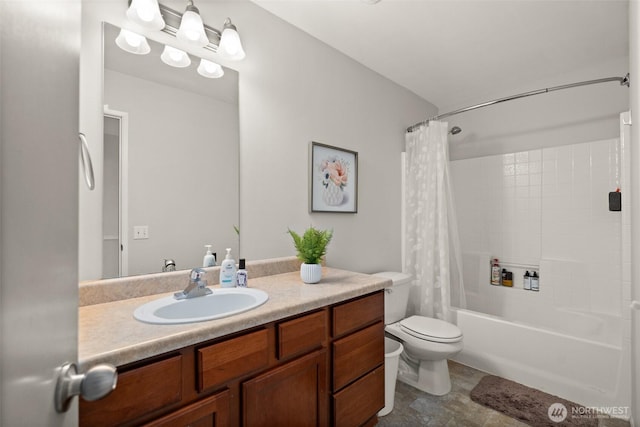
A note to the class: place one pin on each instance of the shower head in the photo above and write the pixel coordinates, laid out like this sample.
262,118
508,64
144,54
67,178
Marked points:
455,130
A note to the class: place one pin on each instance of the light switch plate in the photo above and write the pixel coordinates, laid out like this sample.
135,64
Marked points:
140,232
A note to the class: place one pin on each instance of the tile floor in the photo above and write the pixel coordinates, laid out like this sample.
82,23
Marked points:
415,408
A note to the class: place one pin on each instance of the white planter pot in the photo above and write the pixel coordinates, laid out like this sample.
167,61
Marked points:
310,273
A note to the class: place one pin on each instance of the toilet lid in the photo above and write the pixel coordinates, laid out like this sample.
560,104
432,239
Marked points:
430,329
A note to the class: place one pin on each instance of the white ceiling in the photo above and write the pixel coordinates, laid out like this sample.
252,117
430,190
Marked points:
454,53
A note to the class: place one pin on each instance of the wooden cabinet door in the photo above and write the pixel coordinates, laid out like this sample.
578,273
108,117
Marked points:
294,394
212,411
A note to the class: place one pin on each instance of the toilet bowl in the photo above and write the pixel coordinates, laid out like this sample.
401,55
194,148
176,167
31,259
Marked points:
427,342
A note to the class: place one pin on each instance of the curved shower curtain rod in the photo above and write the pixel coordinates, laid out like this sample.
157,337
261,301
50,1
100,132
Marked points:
624,81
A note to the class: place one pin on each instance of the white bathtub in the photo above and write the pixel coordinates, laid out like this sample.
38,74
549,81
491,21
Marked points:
585,371
538,309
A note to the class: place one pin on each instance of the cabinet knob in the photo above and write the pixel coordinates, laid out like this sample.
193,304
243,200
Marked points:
95,384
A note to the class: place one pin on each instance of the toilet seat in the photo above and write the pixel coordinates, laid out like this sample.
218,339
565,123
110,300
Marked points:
430,329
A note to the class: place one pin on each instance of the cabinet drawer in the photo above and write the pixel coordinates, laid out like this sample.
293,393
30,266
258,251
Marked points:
360,401
233,358
211,411
357,354
353,315
302,334
139,392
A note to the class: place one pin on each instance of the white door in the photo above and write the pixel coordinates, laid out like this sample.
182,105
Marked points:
39,60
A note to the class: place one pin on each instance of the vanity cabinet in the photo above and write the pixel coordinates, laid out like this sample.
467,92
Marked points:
358,361
324,367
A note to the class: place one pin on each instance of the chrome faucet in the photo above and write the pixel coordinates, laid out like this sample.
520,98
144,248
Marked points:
169,265
197,286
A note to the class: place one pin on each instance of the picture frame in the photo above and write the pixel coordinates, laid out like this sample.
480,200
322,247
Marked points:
333,179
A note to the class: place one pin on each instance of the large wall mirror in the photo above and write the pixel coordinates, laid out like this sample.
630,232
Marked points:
171,156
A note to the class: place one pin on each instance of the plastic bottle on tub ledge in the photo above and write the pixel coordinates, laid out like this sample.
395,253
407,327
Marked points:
507,280
526,281
535,282
495,272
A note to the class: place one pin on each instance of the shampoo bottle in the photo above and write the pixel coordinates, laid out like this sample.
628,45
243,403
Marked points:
526,283
508,279
495,272
228,271
241,275
209,259
535,283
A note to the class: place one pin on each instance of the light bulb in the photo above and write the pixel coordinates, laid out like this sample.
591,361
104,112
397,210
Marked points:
146,13
133,39
132,42
191,27
210,69
230,45
175,57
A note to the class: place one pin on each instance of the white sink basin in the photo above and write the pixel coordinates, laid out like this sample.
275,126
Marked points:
221,303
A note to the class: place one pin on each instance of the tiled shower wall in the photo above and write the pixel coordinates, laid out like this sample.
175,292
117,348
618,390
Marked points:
546,208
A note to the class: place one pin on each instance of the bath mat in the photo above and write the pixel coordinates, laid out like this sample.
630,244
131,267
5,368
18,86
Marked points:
529,405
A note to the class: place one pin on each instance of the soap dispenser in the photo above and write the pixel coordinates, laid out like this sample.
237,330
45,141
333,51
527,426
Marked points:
228,271
209,259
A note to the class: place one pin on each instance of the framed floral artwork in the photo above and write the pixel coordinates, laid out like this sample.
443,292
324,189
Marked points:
334,179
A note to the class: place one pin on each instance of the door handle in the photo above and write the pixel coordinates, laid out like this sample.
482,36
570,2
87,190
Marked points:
95,384
87,165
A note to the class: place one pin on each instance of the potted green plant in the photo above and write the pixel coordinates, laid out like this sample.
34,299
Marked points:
311,247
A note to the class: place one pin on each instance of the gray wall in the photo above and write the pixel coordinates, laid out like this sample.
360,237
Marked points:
294,89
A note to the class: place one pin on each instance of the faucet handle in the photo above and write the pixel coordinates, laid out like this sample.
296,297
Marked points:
197,274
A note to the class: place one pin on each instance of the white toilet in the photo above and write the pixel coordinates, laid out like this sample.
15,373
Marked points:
427,342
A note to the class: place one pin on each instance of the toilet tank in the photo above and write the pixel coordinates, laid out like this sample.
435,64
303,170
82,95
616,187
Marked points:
396,296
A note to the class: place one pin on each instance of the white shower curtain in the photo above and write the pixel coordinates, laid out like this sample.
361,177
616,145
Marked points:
432,245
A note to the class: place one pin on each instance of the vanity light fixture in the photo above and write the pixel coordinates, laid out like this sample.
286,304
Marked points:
188,28
230,46
132,42
175,57
146,13
191,27
210,69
